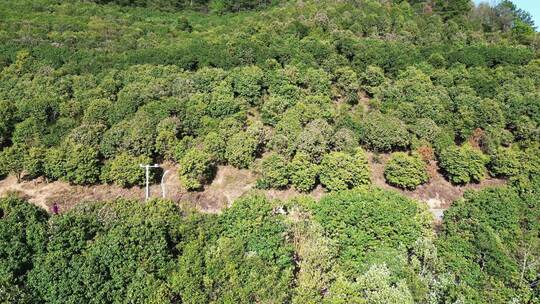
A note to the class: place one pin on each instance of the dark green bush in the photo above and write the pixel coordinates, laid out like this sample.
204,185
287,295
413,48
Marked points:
406,171
382,133
274,172
463,164
303,173
195,169
124,170
341,171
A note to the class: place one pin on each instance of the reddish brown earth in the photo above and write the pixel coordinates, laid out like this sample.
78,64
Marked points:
228,184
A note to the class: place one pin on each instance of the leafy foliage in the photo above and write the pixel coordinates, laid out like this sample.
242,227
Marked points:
195,169
382,133
125,171
303,173
275,172
463,164
341,171
484,242
406,171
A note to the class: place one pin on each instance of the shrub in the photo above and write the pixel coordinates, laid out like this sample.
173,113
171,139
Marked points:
463,164
314,140
243,147
166,139
215,144
505,162
340,171
347,83
195,169
124,170
275,172
372,78
34,161
81,165
247,82
53,166
406,171
87,134
273,108
303,173
345,140
425,129
383,133
361,221
12,160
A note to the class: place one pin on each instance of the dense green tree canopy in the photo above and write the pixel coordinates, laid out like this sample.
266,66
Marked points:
406,171
300,93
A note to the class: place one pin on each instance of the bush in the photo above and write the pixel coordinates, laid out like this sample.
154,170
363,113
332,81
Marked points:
195,169
124,170
303,173
12,161
347,84
345,140
314,140
275,172
406,171
81,165
384,133
247,82
243,147
361,221
505,162
463,164
372,78
167,132
34,162
341,171
53,166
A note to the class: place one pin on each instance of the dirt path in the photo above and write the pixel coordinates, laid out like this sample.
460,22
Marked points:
228,185
438,193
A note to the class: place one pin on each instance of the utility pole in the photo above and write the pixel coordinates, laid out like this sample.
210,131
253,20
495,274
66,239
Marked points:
147,168
163,183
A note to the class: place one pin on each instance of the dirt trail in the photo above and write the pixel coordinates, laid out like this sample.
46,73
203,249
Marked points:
438,193
228,185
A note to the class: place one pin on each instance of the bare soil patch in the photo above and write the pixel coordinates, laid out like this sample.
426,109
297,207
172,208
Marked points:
229,184
438,193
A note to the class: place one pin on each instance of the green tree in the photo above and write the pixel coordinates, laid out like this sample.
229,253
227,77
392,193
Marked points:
23,235
7,120
247,83
124,170
506,162
34,161
362,222
382,133
345,140
341,171
406,171
347,84
303,173
167,136
12,160
81,165
453,8
274,172
243,147
483,242
463,164
375,286
314,140
195,169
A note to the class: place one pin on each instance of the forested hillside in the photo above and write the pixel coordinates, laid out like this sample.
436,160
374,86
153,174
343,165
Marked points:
304,94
